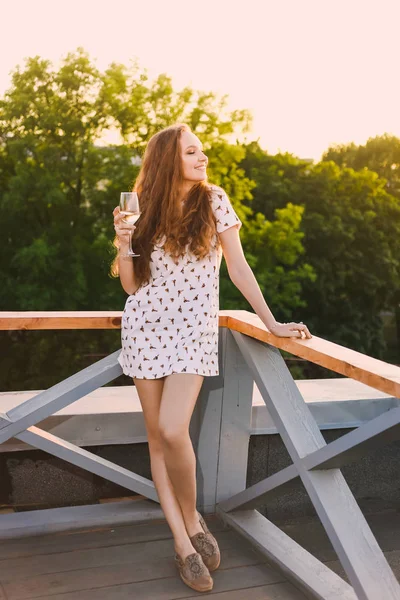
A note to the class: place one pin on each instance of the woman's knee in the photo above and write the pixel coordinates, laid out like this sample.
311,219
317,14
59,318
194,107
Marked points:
172,434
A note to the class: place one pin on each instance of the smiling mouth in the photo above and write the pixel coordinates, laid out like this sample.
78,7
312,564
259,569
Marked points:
202,167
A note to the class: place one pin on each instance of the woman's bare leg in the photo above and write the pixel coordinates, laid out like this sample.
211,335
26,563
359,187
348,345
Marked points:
150,394
179,397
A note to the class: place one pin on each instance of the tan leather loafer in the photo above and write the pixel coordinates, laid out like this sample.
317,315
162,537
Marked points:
206,545
194,572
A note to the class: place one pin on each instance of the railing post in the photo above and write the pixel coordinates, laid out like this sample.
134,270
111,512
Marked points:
237,400
220,427
205,433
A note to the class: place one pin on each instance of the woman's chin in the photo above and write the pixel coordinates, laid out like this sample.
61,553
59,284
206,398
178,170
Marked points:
197,178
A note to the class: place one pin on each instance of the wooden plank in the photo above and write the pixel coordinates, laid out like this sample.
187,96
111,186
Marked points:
371,371
131,553
41,406
55,543
354,445
90,462
21,588
335,403
393,558
310,533
34,320
40,320
280,591
338,389
124,399
4,421
294,561
72,518
256,494
235,423
169,588
94,537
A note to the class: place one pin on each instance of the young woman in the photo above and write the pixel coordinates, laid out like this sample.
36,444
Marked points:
170,321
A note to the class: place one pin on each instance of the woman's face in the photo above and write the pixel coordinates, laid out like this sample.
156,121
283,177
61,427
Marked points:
194,161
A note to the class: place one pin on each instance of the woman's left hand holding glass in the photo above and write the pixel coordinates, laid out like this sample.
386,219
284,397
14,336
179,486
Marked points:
123,229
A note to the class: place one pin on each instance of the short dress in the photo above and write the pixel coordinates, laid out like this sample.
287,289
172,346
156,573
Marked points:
170,325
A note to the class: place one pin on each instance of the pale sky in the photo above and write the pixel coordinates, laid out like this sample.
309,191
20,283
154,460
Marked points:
312,72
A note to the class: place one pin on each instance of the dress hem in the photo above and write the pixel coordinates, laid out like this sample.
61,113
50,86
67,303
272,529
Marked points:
172,372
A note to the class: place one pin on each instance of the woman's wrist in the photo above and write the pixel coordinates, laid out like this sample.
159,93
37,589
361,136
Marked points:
123,251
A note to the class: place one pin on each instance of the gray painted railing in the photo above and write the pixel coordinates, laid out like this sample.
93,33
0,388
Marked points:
220,431
316,463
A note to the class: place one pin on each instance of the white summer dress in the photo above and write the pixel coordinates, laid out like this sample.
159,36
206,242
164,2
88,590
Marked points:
170,325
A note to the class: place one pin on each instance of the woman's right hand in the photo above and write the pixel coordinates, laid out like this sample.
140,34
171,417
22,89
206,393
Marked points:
122,229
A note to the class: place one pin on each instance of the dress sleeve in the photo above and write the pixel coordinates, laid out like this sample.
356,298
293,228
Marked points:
224,212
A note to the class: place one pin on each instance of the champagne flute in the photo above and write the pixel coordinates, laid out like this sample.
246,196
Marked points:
129,207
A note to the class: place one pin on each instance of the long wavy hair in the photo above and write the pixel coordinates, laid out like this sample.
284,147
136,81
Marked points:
188,224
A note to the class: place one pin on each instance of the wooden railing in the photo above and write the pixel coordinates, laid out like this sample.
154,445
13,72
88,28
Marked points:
375,373
248,354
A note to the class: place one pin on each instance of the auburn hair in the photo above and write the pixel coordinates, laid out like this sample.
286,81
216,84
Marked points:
181,224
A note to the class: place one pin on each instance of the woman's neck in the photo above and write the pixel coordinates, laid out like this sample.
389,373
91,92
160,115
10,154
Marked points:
185,189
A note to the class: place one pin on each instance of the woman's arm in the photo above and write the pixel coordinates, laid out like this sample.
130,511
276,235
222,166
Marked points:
243,277
126,272
125,263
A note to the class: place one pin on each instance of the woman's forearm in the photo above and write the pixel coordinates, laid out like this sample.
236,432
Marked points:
247,284
126,271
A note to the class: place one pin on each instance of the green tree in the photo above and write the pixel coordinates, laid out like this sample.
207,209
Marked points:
60,185
351,226
279,178
138,108
273,251
49,121
380,154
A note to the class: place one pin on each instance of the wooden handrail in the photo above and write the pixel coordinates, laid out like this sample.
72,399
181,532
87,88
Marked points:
32,320
371,371
350,363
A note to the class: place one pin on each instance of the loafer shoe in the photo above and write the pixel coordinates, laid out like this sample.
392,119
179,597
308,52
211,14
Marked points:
194,572
206,545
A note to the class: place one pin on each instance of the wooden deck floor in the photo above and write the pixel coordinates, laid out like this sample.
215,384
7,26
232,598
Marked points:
132,562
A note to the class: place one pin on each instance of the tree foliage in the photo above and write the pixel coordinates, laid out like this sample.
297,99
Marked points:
380,154
60,181
351,227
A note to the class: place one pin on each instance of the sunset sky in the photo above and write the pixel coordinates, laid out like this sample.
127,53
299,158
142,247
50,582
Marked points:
312,72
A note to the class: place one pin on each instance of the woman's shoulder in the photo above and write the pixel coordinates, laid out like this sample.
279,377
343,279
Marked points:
223,210
215,189
216,192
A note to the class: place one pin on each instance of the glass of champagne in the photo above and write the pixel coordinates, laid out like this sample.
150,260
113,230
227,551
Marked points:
129,207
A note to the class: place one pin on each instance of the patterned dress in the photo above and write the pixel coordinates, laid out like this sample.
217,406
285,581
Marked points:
170,325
